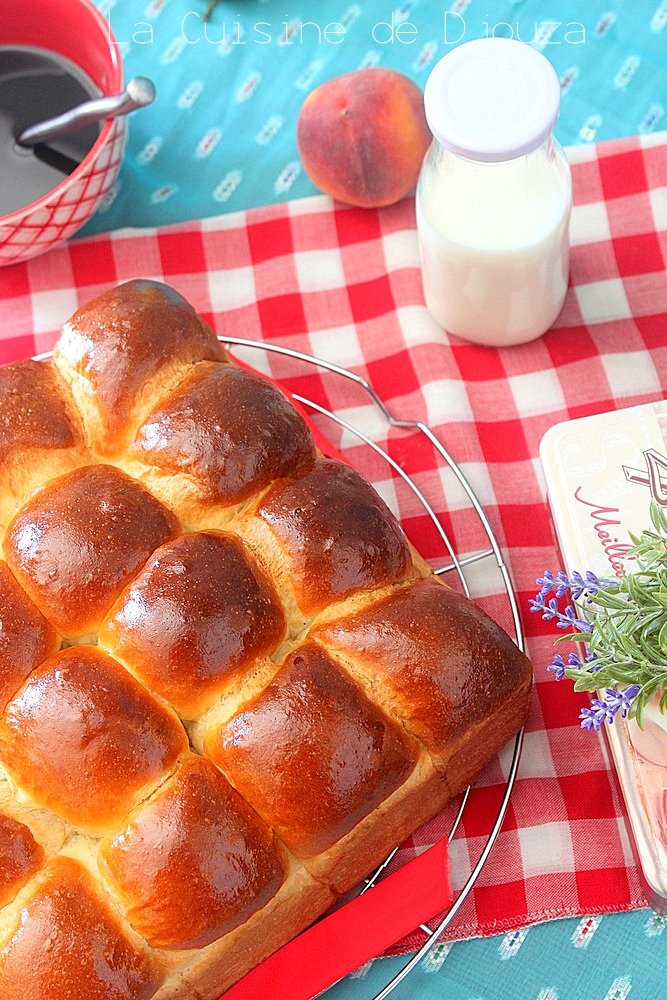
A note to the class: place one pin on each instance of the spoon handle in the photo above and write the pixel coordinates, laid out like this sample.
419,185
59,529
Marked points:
139,93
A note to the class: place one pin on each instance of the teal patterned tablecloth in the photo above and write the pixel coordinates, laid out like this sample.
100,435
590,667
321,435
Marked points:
595,958
221,136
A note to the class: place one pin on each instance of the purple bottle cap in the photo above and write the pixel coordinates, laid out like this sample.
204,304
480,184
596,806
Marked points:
492,99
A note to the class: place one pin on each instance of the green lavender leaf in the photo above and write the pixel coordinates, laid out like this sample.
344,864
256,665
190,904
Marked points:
662,637
587,683
657,518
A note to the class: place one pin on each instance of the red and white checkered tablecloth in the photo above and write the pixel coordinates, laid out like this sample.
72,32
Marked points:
344,284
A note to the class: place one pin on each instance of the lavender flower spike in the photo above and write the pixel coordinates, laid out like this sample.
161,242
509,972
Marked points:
557,668
545,582
537,602
594,583
605,710
589,721
575,661
577,585
551,611
593,717
570,620
621,700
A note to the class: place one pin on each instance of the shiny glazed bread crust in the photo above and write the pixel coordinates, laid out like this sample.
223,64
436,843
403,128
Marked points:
122,350
228,684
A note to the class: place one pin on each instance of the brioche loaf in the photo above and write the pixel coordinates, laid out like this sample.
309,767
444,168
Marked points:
228,684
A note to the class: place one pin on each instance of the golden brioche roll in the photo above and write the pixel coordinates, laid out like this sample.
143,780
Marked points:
311,753
196,620
125,349
338,779
26,638
40,432
209,971
84,739
20,857
222,436
63,940
80,539
441,665
323,536
47,830
194,861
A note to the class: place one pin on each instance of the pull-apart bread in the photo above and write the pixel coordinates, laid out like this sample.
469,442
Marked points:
228,684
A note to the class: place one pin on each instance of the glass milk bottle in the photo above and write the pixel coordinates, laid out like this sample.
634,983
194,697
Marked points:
494,194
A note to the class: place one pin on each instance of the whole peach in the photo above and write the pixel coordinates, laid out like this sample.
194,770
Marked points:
362,136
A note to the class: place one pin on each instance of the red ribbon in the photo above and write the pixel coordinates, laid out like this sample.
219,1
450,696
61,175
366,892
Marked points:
353,934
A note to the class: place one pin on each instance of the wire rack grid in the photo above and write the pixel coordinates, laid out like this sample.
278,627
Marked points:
453,564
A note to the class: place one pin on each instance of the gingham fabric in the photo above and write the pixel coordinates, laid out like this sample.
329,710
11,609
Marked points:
344,284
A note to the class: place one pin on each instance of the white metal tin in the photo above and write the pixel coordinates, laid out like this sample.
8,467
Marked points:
601,472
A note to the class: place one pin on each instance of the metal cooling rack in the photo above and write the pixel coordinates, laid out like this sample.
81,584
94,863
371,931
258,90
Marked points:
452,564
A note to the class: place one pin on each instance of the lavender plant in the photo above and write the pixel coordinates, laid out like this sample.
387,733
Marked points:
622,624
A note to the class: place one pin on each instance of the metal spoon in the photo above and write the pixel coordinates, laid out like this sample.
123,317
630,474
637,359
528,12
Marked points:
139,93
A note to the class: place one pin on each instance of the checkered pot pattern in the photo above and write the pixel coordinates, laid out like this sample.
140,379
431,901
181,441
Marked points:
71,205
